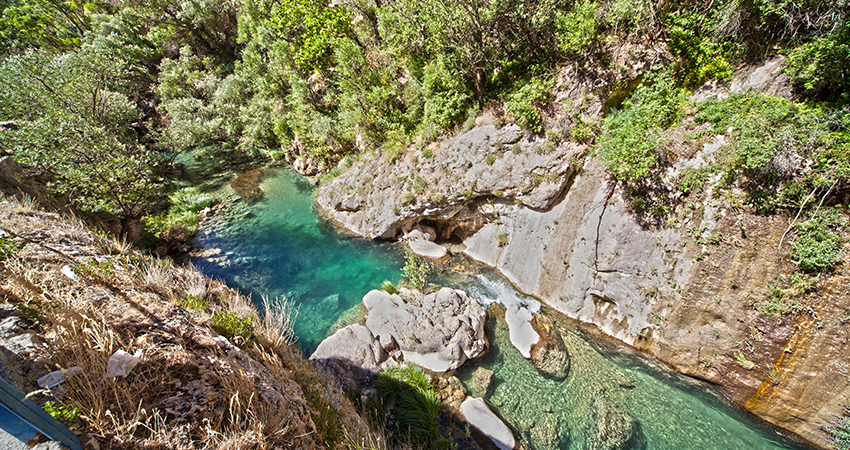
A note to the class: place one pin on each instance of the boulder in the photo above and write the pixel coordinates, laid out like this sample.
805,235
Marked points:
482,379
479,415
421,244
549,355
607,427
438,331
546,432
354,343
522,334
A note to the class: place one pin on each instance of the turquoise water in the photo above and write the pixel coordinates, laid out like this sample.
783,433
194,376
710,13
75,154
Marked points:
277,246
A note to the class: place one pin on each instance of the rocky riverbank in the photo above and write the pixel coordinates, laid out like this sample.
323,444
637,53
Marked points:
559,227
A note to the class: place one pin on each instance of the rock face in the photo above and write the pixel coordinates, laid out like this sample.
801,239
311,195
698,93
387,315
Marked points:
549,355
479,415
438,331
607,427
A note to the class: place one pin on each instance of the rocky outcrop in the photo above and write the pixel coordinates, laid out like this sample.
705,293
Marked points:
549,355
444,187
438,331
607,427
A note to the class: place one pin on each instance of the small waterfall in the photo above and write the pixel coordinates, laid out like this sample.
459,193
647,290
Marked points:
487,289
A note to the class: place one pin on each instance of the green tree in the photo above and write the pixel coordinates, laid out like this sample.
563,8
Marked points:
73,125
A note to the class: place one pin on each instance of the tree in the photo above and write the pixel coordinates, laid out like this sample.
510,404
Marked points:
74,126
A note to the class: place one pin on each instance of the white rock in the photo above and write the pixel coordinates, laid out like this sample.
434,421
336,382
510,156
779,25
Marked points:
478,414
354,343
426,248
522,334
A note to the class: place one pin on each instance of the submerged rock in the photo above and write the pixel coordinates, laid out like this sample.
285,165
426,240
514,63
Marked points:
482,379
549,355
607,427
479,415
547,432
449,390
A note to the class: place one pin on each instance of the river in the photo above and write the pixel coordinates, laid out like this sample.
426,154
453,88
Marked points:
278,246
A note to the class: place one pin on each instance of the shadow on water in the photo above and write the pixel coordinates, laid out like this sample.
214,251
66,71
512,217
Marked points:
278,246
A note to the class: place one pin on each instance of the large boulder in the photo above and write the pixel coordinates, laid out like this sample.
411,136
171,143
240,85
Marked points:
438,331
607,427
549,355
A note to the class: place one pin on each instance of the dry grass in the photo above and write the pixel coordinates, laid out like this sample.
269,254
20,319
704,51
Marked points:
276,326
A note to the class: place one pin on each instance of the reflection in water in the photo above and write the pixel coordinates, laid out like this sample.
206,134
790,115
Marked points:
278,247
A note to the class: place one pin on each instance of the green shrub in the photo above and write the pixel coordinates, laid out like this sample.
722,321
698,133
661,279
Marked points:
524,104
822,65
577,29
61,411
97,271
233,326
9,247
631,136
693,180
416,270
783,295
818,247
691,39
189,199
194,303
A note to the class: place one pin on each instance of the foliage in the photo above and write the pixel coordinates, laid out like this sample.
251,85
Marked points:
417,407
525,104
822,65
631,137
73,121
97,271
388,287
577,29
783,295
9,247
182,215
194,303
840,431
233,326
818,247
61,411
416,269
693,180
690,39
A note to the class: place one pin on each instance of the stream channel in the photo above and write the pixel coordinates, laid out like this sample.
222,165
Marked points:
277,246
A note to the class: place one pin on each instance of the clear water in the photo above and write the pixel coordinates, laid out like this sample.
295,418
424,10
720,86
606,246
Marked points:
279,247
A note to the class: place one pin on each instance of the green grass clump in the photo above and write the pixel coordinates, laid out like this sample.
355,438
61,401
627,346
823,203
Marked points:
190,199
9,247
388,287
233,326
97,271
840,431
194,303
181,217
525,104
417,407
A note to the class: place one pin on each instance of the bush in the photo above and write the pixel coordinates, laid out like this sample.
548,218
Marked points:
577,29
416,270
822,66
524,104
631,136
233,326
690,39
693,180
818,247
388,287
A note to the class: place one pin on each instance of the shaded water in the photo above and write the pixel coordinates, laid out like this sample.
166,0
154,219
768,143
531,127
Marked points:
278,246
